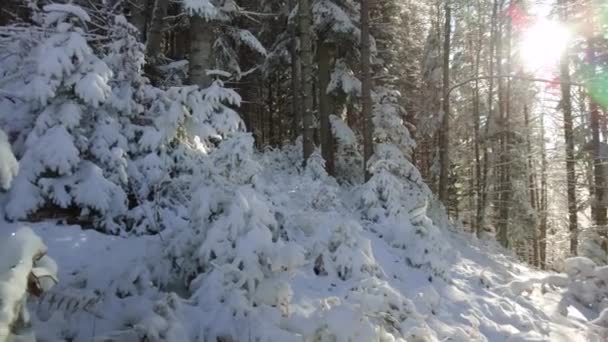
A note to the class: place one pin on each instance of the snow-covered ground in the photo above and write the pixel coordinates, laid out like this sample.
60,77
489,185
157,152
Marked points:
476,301
444,285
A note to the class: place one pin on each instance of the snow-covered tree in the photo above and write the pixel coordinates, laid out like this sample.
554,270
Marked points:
67,85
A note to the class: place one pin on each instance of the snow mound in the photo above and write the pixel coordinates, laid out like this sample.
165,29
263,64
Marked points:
587,286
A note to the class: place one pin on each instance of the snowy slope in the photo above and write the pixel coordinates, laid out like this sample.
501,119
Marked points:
475,304
438,285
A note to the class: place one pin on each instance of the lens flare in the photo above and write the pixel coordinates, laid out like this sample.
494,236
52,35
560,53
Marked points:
543,44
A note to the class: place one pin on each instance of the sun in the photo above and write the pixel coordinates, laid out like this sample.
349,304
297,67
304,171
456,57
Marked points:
543,44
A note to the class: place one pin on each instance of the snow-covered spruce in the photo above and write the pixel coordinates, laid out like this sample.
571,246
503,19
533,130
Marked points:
95,139
67,85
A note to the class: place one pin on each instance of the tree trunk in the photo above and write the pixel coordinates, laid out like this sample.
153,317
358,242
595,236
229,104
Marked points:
296,80
201,43
444,137
503,200
531,185
542,236
326,106
506,188
476,124
566,103
486,155
139,18
599,202
270,112
155,30
366,88
307,78
181,45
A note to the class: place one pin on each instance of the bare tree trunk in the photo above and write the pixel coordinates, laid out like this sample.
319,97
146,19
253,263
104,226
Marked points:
476,124
486,155
502,225
531,185
201,44
307,78
139,18
566,103
181,44
366,88
506,187
542,236
296,80
599,202
270,110
155,30
325,106
444,134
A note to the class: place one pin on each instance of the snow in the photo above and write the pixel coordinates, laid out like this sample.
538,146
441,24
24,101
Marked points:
205,9
22,258
207,239
462,289
249,40
9,167
68,9
579,267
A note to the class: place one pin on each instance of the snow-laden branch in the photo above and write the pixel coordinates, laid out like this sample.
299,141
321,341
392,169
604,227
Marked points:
24,270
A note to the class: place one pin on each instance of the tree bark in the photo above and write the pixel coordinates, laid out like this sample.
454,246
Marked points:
542,234
599,212
476,125
531,185
444,137
307,78
296,80
486,154
155,30
566,103
181,44
201,34
505,109
503,212
366,88
139,17
326,106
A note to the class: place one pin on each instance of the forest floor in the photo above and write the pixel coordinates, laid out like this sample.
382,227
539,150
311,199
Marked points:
469,290
481,299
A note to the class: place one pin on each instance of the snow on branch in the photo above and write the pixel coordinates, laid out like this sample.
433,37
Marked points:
24,269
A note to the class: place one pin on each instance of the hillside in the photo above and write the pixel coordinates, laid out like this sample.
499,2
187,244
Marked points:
321,271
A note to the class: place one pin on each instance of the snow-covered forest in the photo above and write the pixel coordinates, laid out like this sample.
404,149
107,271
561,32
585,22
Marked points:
303,170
